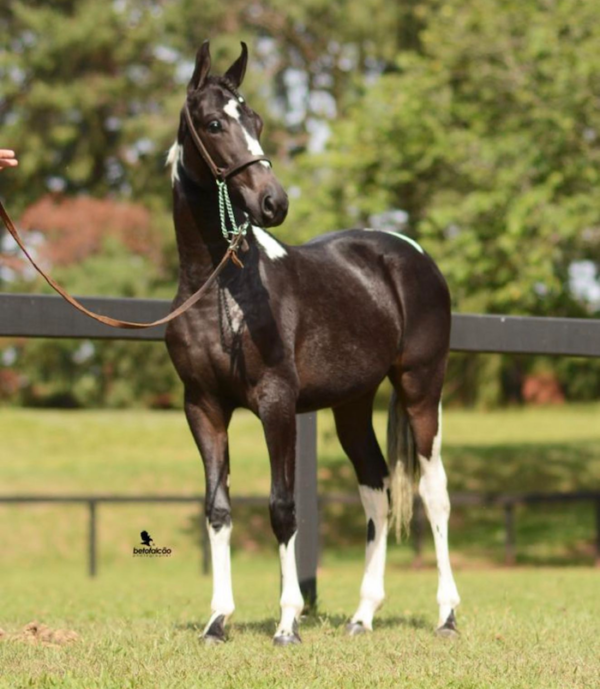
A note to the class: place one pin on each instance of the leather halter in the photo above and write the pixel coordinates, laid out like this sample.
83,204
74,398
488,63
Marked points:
220,173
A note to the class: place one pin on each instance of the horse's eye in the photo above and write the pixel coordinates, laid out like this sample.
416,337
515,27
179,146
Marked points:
214,126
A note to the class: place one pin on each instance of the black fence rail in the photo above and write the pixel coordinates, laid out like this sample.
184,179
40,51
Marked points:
48,316
25,315
506,501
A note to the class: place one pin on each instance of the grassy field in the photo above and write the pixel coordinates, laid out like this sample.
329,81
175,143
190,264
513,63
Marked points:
137,452
138,621
138,628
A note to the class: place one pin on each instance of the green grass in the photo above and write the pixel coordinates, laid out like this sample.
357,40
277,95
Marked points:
138,628
138,621
132,452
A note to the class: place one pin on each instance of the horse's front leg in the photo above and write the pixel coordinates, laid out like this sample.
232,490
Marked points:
278,416
209,422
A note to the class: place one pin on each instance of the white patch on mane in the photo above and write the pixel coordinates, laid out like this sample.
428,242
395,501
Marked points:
233,110
399,235
271,246
173,159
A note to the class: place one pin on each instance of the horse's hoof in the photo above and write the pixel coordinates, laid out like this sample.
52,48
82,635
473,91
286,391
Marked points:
214,634
356,629
287,639
448,630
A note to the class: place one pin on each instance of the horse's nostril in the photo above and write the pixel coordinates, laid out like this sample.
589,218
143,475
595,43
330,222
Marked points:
268,206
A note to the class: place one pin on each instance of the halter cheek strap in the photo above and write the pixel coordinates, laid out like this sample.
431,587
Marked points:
219,173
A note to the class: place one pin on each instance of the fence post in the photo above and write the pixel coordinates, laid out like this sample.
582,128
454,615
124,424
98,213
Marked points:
307,508
92,538
509,523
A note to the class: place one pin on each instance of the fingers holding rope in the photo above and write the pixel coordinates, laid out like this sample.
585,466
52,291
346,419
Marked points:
7,158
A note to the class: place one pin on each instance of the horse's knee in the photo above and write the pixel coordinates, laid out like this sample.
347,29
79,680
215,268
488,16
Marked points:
283,517
218,517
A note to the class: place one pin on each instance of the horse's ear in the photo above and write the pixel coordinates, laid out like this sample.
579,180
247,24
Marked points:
202,67
236,72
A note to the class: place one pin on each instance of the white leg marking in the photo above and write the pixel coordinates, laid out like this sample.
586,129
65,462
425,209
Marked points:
272,247
291,601
433,491
232,108
376,504
222,599
174,157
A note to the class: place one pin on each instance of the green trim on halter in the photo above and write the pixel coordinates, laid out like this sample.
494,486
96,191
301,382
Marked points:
226,213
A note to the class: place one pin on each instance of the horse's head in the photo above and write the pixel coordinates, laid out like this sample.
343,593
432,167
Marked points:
219,136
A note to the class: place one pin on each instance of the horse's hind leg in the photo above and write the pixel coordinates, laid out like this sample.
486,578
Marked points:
355,431
420,395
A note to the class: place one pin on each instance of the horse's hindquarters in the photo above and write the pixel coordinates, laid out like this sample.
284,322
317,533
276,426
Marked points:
365,302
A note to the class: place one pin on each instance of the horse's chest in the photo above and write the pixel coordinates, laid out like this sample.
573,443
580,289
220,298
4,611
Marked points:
226,347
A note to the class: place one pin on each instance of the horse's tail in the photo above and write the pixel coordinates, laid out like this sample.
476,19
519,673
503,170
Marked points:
403,463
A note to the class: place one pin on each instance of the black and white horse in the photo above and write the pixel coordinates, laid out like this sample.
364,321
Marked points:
300,329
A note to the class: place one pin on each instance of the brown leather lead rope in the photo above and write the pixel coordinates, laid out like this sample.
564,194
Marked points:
115,322
220,174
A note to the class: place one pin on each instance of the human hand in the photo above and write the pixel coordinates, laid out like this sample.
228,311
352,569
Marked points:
7,158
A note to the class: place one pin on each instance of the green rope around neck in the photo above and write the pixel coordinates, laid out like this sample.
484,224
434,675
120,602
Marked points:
226,214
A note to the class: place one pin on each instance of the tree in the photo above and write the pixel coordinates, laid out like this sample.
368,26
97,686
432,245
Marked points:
489,138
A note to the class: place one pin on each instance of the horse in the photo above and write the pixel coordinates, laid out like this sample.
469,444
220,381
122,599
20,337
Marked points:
297,329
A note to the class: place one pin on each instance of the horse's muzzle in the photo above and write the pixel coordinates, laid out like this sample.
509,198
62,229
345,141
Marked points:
274,206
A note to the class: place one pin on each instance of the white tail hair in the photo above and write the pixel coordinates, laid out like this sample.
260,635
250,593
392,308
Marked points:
403,465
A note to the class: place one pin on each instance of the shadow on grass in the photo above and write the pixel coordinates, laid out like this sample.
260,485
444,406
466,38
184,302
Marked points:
268,626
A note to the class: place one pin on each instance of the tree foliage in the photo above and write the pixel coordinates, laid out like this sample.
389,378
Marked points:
489,139
478,120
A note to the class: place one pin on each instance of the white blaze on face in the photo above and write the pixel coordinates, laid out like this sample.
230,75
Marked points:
254,148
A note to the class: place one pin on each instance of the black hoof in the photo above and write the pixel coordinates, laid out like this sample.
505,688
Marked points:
215,633
448,630
288,639
356,629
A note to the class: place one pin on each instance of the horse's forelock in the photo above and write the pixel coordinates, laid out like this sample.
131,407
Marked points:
223,82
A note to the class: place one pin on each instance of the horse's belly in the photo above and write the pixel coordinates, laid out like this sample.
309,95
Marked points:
336,365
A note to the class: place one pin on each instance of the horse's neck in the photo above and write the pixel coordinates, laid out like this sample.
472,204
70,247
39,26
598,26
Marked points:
197,228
